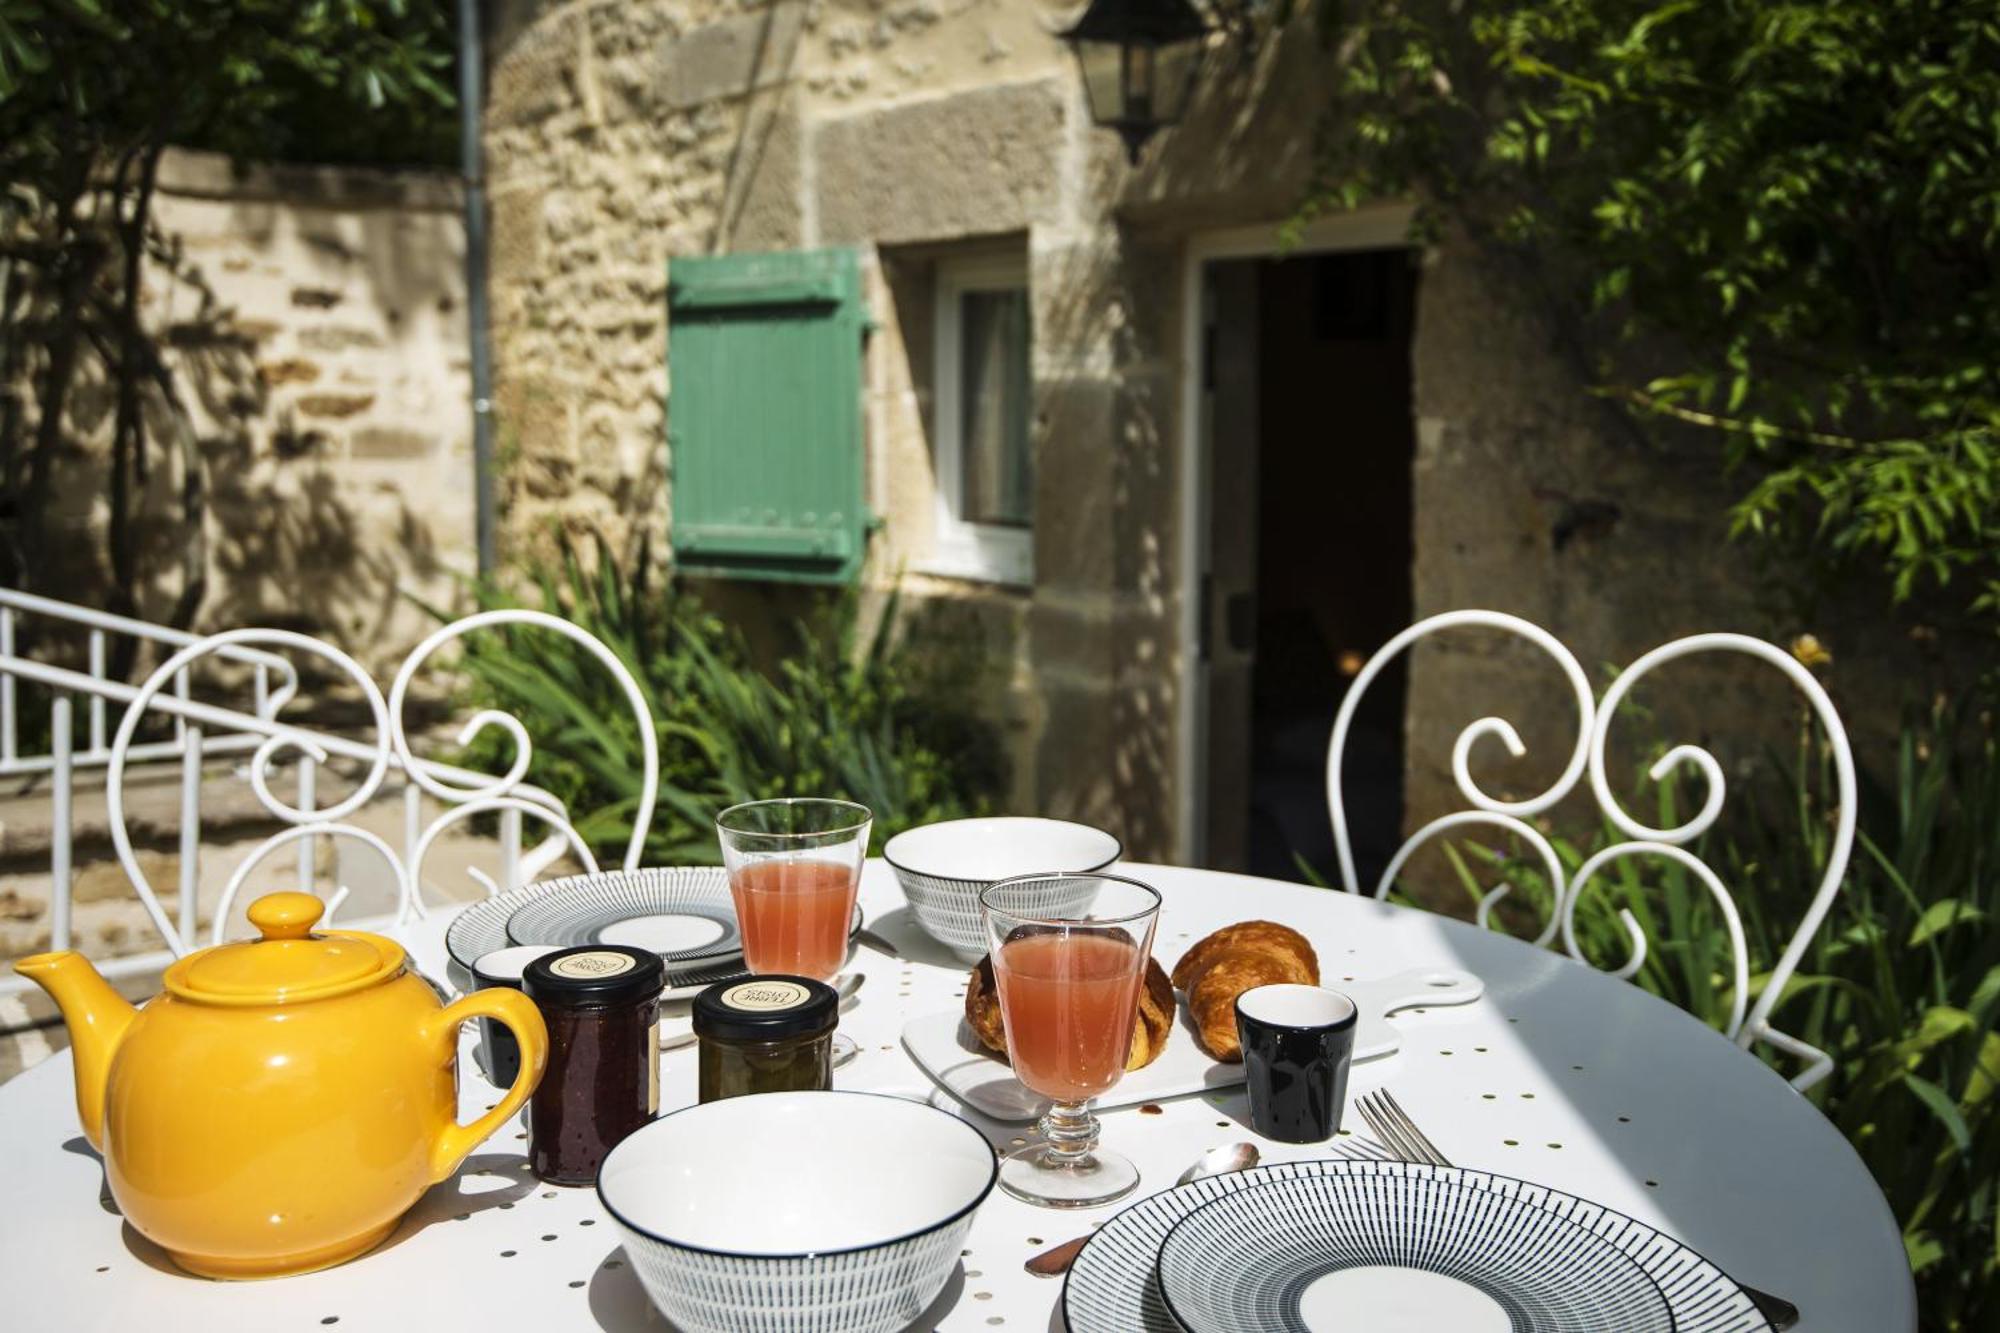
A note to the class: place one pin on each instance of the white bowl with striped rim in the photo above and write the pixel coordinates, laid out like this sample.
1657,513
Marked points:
943,869
797,1212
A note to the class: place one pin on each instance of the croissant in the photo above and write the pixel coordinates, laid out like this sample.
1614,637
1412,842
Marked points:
1149,1034
1222,966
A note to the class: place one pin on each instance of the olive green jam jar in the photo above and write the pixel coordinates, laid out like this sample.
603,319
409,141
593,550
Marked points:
765,1034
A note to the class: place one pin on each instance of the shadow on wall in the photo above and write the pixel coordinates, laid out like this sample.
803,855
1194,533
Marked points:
1107,310
282,535
1106,523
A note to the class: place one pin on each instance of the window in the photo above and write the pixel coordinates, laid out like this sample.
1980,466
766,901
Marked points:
983,405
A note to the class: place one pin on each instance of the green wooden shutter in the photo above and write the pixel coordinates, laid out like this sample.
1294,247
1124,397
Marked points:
764,415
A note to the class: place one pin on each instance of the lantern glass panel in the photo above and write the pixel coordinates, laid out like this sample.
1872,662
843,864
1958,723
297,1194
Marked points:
1103,65
1172,70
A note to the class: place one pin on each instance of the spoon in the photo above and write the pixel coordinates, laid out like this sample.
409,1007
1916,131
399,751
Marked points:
1215,1162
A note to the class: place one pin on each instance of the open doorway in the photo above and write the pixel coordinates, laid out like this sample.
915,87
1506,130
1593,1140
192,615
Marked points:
1307,414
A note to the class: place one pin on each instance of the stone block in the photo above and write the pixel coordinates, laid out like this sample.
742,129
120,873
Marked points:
1076,514
529,79
1146,485
971,163
316,298
517,220
291,370
731,56
335,405
389,442
1072,633
765,215
246,330
337,338
1074,778
1142,759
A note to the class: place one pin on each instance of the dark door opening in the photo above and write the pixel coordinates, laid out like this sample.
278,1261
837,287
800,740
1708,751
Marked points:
1311,546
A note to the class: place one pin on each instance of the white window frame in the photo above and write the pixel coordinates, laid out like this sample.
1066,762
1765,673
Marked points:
986,552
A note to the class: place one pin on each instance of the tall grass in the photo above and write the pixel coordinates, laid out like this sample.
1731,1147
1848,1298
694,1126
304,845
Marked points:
1901,985
873,721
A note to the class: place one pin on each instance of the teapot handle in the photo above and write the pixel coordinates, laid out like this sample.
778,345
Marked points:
455,1141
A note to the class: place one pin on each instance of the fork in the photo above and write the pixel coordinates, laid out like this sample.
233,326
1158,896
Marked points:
1392,1124
1399,1133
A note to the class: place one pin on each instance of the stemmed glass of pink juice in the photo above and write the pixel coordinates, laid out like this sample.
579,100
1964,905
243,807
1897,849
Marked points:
1069,984
794,867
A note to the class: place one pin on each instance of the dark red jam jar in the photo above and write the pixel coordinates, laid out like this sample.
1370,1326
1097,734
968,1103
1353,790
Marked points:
602,1005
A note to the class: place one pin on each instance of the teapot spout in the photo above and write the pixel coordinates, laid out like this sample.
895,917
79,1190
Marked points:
97,1017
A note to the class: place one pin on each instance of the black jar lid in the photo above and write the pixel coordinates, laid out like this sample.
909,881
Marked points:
594,976
766,1008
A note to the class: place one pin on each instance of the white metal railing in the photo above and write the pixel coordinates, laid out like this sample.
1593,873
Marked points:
204,729
98,627
1747,1023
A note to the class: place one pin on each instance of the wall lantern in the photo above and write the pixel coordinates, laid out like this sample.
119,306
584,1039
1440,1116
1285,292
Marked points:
1139,59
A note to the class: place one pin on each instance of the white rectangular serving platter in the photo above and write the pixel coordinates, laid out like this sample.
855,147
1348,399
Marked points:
944,1047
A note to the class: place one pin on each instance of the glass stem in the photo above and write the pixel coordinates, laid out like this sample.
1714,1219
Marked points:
1071,1131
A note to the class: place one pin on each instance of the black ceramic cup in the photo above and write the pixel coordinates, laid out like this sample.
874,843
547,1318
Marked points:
1297,1044
498,1056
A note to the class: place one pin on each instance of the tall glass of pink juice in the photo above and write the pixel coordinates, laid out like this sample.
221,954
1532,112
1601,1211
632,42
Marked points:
1069,994
794,868
794,915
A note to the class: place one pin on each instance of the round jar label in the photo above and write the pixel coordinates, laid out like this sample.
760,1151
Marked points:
590,966
766,995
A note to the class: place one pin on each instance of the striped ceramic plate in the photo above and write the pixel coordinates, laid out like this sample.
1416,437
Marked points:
484,926
1445,1247
685,916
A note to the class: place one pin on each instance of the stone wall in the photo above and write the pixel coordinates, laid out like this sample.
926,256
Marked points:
1532,497
314,320
621,133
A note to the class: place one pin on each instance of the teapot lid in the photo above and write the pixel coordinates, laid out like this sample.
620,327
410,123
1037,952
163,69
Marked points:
290,962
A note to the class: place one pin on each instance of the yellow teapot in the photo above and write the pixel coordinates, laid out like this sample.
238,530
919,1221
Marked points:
286,1100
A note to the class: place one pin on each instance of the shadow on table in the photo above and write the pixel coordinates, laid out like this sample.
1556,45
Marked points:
901,928
146,1252
1677,1121
81,1147
457,1199
619,1303
450,1201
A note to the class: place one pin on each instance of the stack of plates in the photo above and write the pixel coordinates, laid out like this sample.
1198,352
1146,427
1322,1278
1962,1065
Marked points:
684,914
1391,1247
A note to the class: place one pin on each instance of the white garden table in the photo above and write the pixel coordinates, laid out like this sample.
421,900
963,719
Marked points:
1559,1074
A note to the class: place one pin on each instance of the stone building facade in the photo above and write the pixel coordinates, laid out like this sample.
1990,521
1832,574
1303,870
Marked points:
936,136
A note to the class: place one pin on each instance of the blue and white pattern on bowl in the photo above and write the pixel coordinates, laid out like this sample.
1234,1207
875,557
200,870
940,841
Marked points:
861,1291
943,869
801,1212
1113,1287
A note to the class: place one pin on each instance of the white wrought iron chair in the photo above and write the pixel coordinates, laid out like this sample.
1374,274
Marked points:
464,793
1747,1024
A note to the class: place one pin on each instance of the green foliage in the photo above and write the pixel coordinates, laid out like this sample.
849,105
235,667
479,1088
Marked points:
1778,222
272,80
871,722
91,95
1901,987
